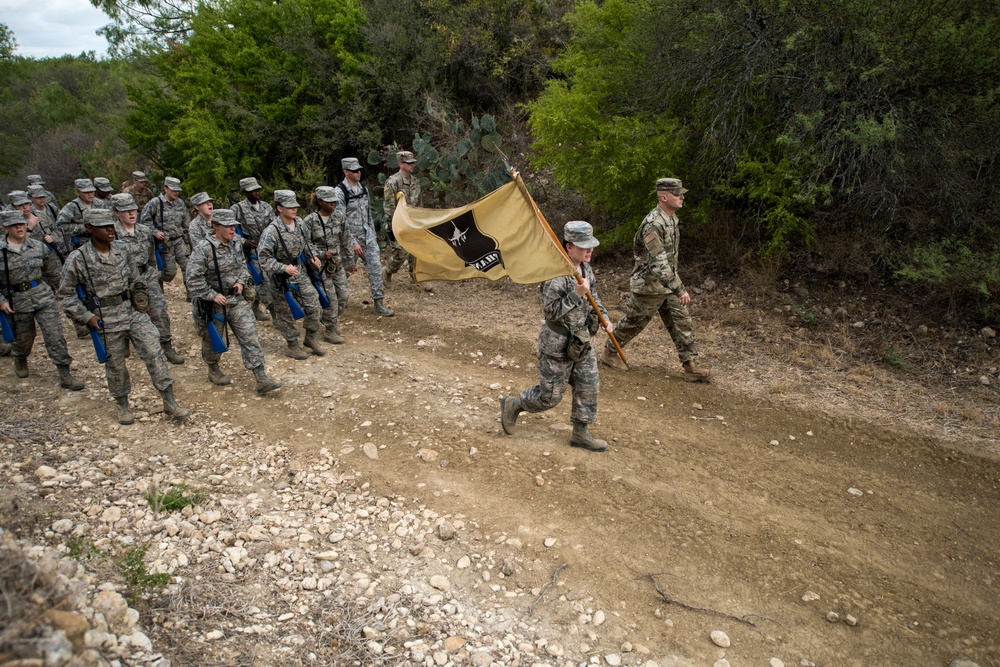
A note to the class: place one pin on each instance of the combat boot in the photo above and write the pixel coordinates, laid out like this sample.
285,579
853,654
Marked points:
21,367
381,309
583,439
332,336
337,330
264,383
313,344
694,374
66,379
172,354
259,314
170,405
609,357
510,408
125,416
295,351
216,375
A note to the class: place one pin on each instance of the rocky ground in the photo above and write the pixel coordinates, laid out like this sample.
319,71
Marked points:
803,508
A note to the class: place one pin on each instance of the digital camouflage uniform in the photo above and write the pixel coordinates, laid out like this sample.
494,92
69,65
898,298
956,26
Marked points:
331,235
25,275
70,223
411,188
172,219
656,286
212,260
35,179
355,210
199,229
566,311
47,217
253,220
111,278
140,242
280,246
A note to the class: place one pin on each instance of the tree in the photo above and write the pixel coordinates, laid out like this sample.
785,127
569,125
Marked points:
136,24
7,42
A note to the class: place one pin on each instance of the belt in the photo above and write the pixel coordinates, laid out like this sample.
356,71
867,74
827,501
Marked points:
558,328
113,300
22,287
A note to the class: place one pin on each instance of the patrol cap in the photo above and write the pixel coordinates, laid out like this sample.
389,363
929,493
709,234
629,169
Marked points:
224,217
285,198
18,197
84,185
673,185
405,156
98,217
200,198
35,179
123,201
103,184
36,191
249,184
326,193
11,218
580,234
350,164
139,176
172,183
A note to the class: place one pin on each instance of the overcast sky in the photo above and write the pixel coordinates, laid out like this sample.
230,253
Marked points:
53,28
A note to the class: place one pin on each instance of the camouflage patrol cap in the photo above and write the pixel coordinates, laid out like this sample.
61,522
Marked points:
224,217
405,156
36,191
98,217
350,164
200,198
123,202
18,197
35,179
326,193
580,234
103,184
84,185
172,183
285,199
11,218
249,184
672,185
139,176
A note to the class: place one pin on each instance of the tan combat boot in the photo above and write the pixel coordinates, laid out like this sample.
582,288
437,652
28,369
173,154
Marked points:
694,374
67,381
216,376
583,439
264,383
295,351
609,357
333,336
510,408
125,416
313,344
173,356
170,405
21,367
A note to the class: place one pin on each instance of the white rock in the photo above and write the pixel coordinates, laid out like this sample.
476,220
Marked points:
112,514
210,517
599,617
45,472
809,596
720,638
549,542
463,562
370,450
613,659
832,616
855,492
774,662
214,634
721,662
62,526
440,582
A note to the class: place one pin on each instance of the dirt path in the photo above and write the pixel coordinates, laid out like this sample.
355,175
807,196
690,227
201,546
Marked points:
691,491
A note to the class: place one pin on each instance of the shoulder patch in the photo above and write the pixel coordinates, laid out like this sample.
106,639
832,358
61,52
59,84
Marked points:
652,242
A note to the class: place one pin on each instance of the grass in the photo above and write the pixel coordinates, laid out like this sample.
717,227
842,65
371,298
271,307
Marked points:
176,498
139,581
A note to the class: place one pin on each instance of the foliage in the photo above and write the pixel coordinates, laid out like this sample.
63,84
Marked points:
8,44
135,23
176,498
967,271
139,581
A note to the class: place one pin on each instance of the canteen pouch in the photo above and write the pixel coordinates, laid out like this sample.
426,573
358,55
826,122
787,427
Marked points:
578,344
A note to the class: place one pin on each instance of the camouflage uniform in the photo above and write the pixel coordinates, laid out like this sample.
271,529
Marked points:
47,226
656,287
253,220
210,260
102,198
70,220
565,311
355,209
171,218
26,271
141,243
199,229
331,235
409,186
141,194
111,279
35,179
280,246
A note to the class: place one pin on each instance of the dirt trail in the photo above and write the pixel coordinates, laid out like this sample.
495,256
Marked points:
691,491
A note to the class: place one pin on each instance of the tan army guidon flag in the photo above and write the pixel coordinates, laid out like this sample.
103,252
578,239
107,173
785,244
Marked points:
496,236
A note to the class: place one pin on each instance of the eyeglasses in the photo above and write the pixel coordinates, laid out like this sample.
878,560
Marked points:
354,171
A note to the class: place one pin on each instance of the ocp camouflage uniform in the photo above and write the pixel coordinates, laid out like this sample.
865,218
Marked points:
278,247
211,260
25,275
355,211
141,243
111,278
171,218
656,287
331,235
141,195
565,311
411,188
253,220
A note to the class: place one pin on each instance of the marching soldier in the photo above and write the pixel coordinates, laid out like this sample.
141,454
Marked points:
116,305
138,188
200,226
281,246
102,197
27,267
35,179
70,218
402,181
333,241
254,216
220,284
167,213
565,353
46,229
354,207
141,241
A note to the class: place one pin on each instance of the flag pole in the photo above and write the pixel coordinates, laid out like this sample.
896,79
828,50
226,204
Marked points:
555,239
